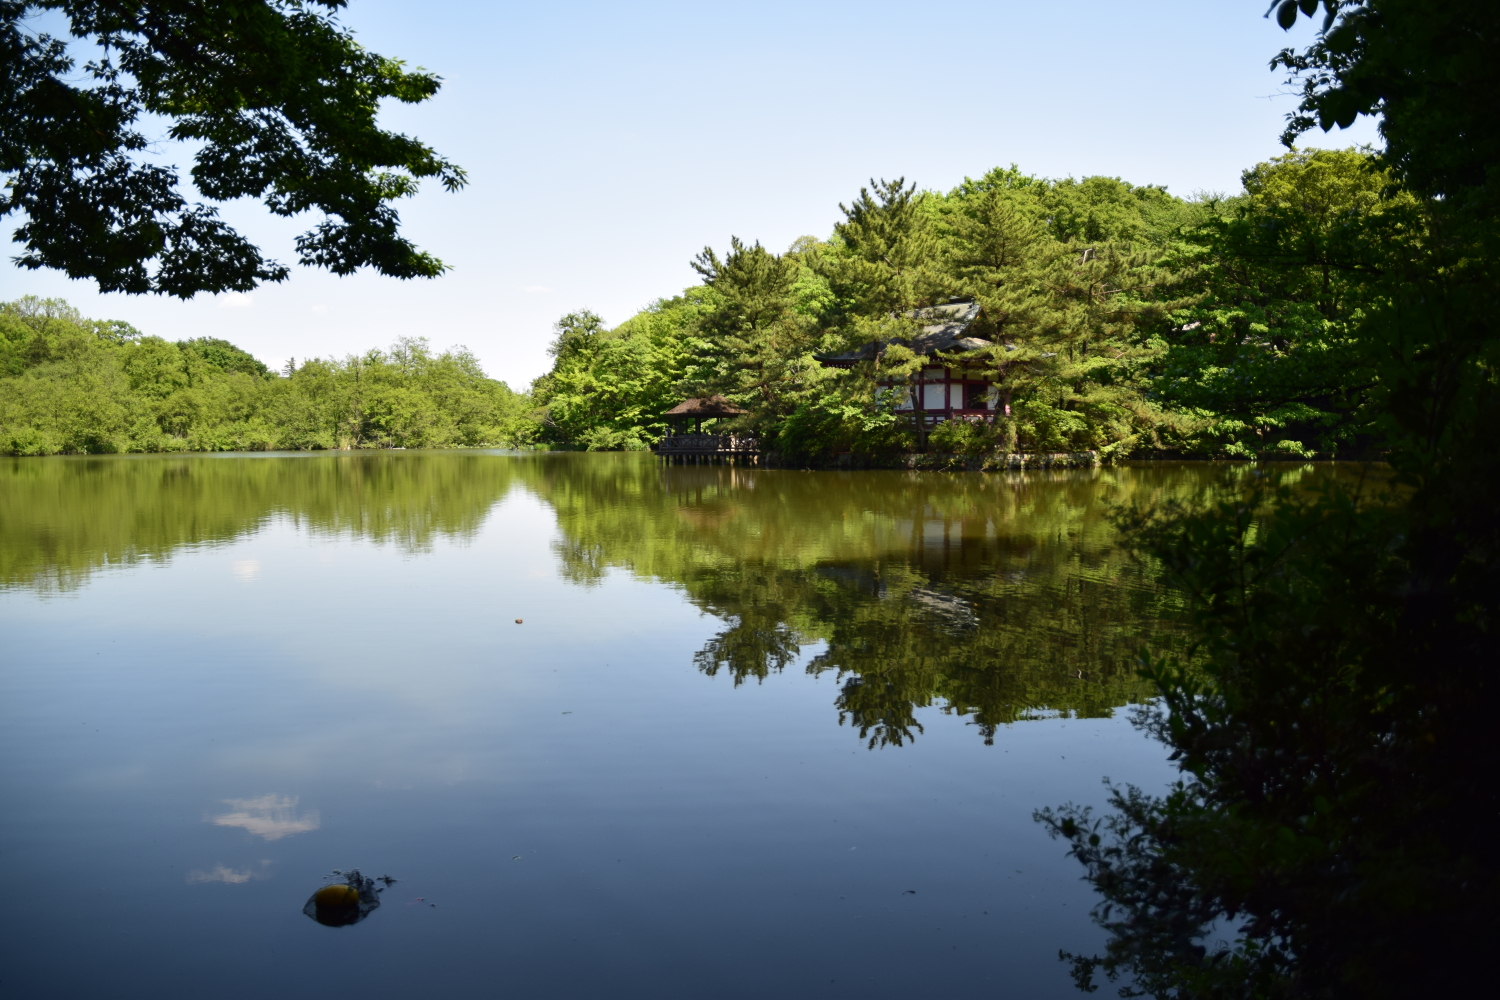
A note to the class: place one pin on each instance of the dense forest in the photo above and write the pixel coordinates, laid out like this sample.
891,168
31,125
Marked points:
75,386
1118,318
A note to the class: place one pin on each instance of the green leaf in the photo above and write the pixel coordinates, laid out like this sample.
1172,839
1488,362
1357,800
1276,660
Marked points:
1286,14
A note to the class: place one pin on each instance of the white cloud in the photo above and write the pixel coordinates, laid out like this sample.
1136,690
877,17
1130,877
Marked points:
537,288
235,300
270,817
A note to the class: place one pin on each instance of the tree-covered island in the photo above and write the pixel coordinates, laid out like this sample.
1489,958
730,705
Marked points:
1013,313
1060,316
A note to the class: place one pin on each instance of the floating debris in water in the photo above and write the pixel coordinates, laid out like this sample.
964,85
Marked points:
340,904
518,621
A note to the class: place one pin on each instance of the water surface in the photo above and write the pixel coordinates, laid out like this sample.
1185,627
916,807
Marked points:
759,733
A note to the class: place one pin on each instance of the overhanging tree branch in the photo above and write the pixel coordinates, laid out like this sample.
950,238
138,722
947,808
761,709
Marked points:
283,102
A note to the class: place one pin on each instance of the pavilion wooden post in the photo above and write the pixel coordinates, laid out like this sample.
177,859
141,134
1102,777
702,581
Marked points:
698,446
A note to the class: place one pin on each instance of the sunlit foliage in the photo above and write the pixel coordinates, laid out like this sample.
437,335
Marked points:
74,386
1120,319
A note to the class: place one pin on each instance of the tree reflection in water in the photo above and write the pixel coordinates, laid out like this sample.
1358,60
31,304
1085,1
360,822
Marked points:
62,519
992,596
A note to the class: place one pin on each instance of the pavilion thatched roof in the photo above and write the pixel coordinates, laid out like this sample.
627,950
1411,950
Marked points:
711,406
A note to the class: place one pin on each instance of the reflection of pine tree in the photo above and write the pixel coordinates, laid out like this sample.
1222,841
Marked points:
995,598
755,646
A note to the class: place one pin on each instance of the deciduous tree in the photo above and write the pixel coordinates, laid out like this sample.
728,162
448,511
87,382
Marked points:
275,98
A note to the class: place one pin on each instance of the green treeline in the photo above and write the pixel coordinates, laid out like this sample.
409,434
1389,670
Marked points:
1119,318
74,386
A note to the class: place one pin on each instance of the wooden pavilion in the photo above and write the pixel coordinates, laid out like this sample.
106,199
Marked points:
698,446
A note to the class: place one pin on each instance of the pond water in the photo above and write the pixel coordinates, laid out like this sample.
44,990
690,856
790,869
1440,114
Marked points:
755,734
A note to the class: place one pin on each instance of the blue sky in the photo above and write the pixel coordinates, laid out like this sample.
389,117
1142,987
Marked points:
607,143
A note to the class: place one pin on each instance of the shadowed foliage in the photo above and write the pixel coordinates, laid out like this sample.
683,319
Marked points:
274,99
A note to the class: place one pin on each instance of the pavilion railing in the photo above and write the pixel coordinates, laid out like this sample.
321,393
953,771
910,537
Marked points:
708,444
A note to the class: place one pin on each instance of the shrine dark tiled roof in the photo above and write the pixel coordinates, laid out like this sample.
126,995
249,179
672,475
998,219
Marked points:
942,331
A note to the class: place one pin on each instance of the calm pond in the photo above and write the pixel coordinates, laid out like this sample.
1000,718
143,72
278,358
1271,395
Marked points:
757,734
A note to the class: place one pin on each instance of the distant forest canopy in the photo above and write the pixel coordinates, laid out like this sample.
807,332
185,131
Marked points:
69,385
1120,318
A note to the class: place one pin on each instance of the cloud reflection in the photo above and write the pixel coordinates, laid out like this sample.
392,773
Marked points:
223,874
270,817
